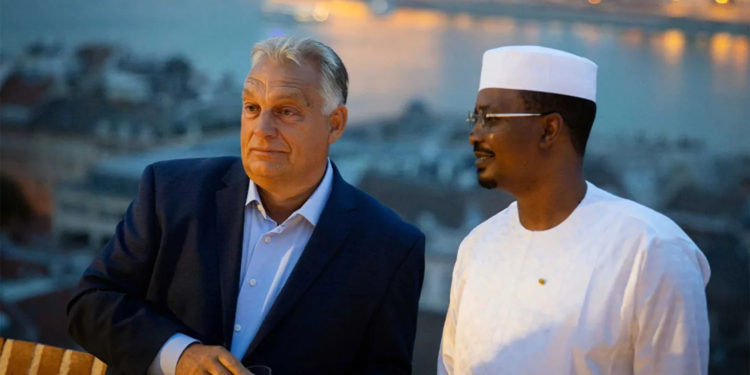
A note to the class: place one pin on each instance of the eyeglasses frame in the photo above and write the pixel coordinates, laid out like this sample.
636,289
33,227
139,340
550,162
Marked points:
472,119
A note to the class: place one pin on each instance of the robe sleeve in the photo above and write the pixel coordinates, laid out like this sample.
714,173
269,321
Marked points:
445,356
671,330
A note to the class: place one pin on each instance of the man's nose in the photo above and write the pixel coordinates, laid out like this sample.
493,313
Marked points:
475,134
264,126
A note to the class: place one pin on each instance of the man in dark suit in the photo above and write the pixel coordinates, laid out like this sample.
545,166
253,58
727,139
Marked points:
292,268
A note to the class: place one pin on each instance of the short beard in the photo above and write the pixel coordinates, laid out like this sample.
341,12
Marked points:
486,183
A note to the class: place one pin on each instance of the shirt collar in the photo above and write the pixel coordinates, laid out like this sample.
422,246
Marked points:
313,206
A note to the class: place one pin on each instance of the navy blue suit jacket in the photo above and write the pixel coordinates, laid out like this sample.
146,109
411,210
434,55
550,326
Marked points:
173,264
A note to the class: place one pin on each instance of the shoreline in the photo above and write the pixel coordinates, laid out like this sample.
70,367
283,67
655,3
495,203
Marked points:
646,18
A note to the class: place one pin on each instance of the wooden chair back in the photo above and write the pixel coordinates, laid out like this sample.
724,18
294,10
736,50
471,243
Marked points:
29,358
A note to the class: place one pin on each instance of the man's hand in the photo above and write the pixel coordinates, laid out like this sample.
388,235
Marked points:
200,359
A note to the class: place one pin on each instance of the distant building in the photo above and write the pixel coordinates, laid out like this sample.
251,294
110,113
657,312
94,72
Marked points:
87,211
36,285
61,113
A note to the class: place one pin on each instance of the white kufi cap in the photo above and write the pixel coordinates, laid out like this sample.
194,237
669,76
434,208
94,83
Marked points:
535,68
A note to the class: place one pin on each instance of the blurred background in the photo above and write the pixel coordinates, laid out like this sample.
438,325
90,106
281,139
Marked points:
92,92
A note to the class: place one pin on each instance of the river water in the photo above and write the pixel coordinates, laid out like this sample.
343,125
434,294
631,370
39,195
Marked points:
655,84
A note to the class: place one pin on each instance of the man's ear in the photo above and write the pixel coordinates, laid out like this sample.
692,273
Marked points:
552,126
337,123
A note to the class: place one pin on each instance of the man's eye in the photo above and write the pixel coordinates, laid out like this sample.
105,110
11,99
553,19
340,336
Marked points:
288,112
251,108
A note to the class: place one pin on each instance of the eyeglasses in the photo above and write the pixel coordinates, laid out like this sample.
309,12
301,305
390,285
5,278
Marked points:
482,117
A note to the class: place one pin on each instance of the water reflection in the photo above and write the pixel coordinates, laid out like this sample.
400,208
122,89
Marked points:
727,49
670,45
501,25
741,55
721,45
587,32
632,37
463,21
701,41
349,9
729,55
412,18
555,28
387,67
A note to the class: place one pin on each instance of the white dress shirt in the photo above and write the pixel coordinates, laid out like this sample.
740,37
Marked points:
616,288
269,254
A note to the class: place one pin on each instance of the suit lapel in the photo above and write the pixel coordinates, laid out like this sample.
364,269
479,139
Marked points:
230,218
327,237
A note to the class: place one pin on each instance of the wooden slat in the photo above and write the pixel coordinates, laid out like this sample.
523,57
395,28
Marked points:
65,364
36,360
51,361
28,358
99,367
20,357
80,363
5,356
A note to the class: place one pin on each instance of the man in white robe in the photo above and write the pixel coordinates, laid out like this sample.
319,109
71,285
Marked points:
569,279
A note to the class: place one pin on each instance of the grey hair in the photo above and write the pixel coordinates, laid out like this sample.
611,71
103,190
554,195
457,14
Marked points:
334,83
